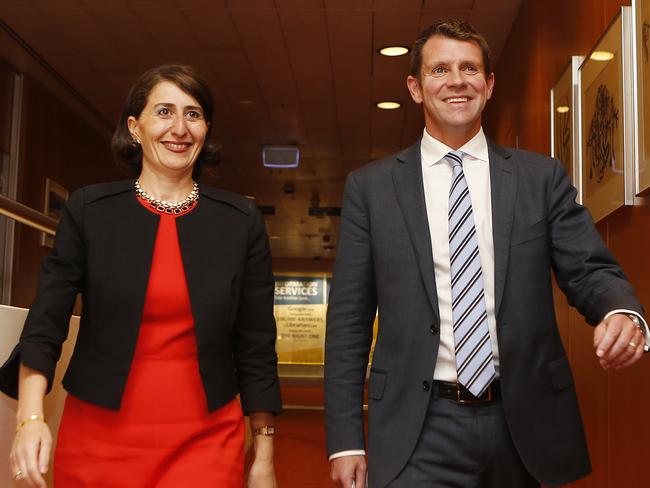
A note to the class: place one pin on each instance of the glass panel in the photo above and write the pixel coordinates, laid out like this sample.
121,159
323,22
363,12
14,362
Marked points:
4,162
7,78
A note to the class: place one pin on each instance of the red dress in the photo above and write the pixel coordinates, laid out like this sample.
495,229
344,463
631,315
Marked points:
163,435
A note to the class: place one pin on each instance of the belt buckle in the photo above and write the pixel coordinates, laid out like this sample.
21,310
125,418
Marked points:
465,401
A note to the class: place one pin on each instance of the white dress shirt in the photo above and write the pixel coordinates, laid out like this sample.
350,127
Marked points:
436,175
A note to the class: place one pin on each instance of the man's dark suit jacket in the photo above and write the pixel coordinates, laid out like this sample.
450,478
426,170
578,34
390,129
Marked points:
385,259
103,249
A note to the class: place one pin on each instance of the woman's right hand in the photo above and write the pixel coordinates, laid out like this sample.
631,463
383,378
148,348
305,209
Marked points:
30,454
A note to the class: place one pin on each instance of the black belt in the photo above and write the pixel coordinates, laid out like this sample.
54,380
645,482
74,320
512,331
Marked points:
460,394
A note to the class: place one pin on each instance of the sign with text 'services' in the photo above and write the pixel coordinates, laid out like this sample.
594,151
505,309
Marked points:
300,309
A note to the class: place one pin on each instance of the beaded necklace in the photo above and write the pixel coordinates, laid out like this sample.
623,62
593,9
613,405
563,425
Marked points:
173,208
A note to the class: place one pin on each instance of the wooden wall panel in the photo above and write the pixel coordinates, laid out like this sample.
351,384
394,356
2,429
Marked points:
301,265
592,386
544,37
56,143
629,238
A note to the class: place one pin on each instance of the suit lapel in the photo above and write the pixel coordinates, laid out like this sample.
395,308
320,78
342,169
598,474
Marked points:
208,245
409,190
124,233
199,242
503,181
142,225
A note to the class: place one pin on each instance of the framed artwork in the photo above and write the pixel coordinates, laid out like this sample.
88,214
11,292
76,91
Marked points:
641,80
564,120
55,197
606,117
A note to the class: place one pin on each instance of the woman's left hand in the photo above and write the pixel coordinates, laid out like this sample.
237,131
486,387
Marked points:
262,472
262,475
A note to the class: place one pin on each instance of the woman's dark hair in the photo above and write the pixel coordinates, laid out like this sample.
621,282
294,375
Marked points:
454,29
127,153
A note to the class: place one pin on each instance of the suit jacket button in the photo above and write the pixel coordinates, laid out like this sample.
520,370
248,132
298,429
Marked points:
434,329
426,386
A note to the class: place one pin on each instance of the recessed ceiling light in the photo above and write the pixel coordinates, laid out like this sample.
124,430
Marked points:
274,238
562,109
393,51
601,55
250,197
388,105
246,103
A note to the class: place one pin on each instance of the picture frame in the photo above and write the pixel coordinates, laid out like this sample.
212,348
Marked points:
54,200
606,120
641,81
565,119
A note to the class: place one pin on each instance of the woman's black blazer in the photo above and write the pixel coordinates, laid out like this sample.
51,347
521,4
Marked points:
103,249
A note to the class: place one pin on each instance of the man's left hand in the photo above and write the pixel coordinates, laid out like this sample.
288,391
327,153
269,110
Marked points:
618,342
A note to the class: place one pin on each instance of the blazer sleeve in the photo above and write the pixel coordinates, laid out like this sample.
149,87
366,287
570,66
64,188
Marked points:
350,315
255,332
47,323
586,270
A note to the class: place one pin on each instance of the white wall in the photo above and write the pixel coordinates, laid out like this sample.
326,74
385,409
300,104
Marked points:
11,323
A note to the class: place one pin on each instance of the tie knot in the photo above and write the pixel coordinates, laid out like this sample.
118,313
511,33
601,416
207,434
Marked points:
455,158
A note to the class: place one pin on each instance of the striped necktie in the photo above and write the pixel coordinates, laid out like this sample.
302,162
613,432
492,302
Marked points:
474,364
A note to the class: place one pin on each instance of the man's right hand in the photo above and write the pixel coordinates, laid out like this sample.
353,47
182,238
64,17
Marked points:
347,470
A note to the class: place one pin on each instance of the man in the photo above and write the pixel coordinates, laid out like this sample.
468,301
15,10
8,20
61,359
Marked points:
453,240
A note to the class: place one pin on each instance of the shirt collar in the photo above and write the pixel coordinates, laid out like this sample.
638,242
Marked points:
433,150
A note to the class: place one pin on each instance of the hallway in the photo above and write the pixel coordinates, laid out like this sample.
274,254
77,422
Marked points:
300,456
299,89
300,450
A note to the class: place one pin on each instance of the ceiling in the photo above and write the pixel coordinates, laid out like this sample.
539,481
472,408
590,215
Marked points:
302,72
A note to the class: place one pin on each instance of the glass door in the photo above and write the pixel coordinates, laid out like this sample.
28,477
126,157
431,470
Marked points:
9,131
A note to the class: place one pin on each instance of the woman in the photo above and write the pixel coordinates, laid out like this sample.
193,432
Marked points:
177,316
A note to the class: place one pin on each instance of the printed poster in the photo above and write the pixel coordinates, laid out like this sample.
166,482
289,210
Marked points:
300,309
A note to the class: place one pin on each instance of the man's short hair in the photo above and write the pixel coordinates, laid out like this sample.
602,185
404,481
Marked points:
454,29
